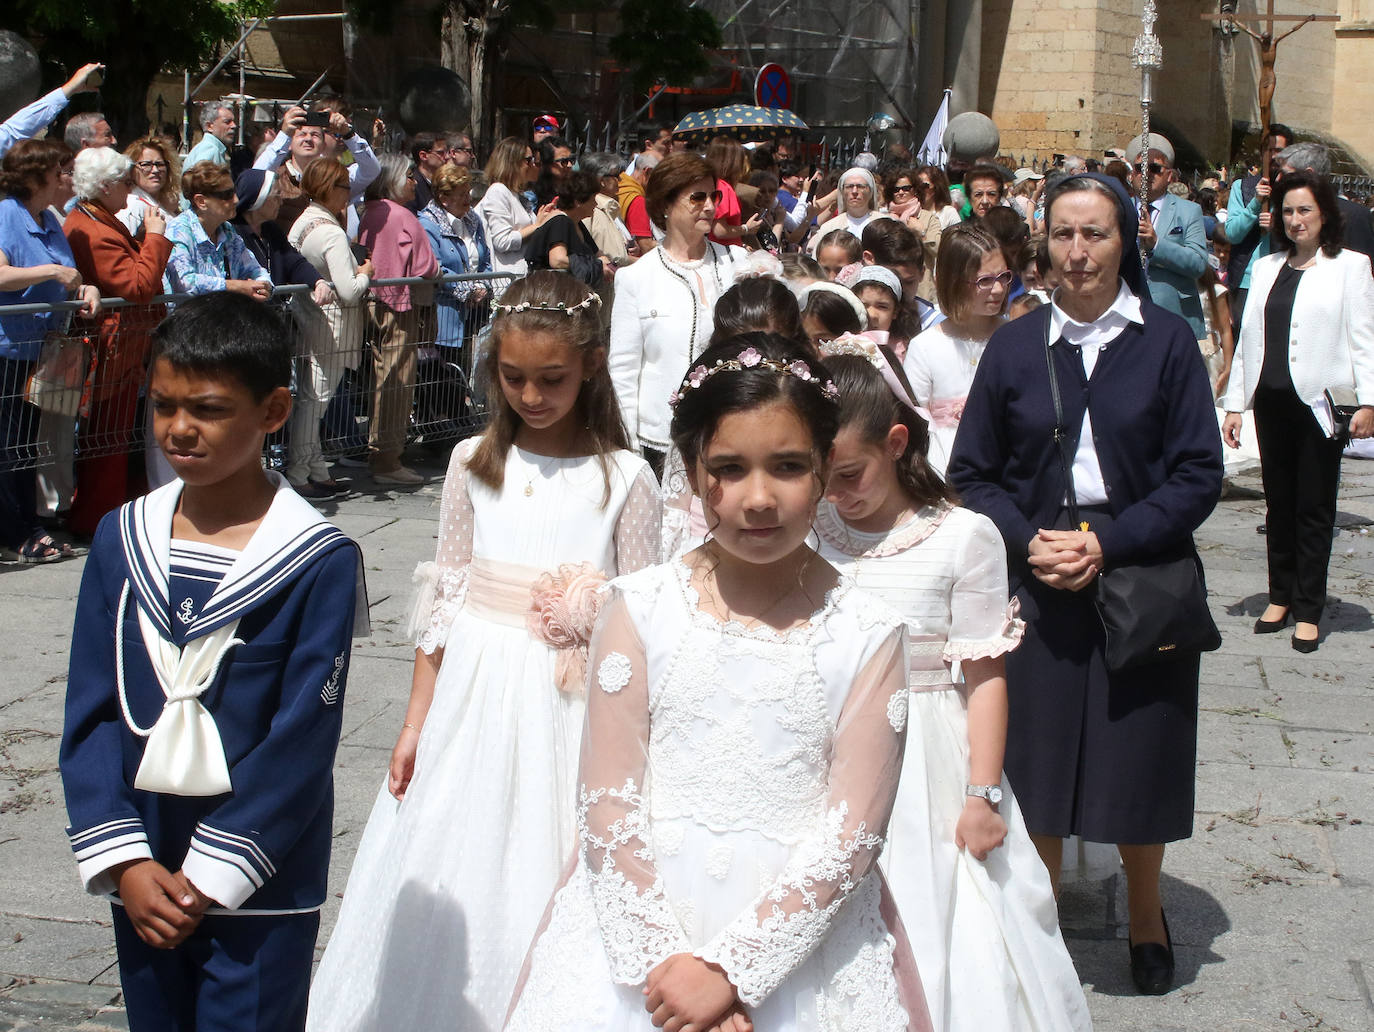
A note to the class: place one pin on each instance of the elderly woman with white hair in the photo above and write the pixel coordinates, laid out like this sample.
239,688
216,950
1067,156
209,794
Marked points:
399,247
119,265
858,206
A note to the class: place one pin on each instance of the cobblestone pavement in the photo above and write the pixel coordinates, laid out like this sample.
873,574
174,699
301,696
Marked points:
1270,902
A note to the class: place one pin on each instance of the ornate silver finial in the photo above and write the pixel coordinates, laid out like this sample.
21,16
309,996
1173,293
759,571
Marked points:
1148,53
1148,56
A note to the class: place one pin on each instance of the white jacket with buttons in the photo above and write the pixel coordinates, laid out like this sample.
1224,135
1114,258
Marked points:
652,342
1330,335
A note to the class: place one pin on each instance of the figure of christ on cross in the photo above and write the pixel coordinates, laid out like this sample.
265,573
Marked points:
1269,53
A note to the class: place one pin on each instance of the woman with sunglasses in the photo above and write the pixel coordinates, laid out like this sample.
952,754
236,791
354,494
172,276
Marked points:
207,253
904,203
556,161
665,303
511,170
971,283
932,187
156,175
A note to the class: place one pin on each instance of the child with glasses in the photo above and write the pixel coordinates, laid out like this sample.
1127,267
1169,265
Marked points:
971,283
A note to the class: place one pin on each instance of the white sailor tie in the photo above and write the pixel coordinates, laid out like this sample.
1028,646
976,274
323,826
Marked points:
184,755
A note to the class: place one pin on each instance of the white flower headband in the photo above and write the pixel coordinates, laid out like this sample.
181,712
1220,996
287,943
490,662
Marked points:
751,359
863,347
535,306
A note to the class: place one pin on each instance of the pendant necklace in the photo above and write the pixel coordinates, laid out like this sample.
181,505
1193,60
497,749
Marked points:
540,470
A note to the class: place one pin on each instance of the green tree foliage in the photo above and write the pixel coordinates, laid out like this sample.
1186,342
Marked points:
664,40
134,38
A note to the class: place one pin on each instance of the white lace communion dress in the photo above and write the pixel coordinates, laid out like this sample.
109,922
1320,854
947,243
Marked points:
448,886
985,933
940,368
735,791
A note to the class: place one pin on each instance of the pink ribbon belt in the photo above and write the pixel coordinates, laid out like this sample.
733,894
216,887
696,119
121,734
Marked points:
946,412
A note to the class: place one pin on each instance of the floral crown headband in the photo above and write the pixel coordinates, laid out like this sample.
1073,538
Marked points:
751,359
863,347
535,306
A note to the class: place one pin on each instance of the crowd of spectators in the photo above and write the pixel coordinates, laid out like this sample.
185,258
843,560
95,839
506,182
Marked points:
930,260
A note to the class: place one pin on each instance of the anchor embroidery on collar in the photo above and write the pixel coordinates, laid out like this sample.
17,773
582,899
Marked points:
186,614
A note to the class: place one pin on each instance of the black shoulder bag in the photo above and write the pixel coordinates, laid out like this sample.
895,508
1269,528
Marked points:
1151,611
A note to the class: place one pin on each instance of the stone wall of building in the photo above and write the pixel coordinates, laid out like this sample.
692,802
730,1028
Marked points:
1351,123
1057,75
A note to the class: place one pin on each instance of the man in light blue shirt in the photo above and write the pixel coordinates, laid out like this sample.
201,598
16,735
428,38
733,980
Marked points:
28,121
218,125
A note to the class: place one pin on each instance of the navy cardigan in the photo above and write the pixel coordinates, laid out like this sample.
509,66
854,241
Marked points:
1153,422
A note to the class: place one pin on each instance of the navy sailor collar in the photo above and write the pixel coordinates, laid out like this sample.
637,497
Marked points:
290,537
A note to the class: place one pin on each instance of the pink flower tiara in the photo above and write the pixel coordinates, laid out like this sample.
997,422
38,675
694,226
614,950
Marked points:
751,359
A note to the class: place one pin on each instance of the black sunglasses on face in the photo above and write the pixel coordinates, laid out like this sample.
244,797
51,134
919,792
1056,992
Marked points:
220,195
1155,168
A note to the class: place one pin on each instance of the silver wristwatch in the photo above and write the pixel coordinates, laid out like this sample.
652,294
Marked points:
992,793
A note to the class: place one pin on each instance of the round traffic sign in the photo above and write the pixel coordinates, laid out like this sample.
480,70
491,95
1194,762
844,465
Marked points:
773,87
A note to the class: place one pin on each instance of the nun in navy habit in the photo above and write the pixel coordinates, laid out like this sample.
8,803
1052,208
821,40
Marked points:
1108,757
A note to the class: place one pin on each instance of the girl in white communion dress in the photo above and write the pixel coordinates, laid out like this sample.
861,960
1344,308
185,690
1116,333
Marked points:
746,720
968,882
470,834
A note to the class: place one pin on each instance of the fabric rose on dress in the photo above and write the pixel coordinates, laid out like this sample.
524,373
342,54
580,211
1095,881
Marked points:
563,610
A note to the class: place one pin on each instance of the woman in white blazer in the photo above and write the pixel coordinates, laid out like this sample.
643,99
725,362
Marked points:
1308,326
510,170
665,302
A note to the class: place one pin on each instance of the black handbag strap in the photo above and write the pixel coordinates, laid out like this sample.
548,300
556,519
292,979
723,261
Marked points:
1060,437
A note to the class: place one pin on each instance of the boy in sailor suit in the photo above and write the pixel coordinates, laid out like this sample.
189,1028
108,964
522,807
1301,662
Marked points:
205,694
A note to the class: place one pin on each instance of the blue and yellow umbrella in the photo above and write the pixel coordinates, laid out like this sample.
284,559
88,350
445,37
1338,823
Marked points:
743,121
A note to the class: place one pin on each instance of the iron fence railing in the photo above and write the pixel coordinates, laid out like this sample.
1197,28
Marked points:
92,374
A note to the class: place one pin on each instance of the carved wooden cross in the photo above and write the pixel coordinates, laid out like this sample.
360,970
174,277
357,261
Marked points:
1269,51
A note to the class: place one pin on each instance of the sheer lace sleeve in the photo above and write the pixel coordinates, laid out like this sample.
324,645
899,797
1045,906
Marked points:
442,585
677,506
762,946
638,925
638,531
983,623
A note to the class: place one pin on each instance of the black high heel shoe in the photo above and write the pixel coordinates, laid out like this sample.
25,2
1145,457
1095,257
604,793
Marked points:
1152,964
1263,626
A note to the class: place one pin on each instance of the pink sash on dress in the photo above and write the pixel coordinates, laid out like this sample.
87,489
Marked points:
946,412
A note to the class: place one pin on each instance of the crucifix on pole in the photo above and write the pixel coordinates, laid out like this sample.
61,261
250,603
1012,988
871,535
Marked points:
1268,50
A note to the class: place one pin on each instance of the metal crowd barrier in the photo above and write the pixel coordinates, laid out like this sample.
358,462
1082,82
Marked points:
90,401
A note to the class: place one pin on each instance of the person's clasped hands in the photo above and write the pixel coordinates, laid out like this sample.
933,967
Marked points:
1065,559
164,908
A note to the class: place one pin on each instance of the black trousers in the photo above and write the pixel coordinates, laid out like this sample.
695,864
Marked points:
18,448
655,459
1301,469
